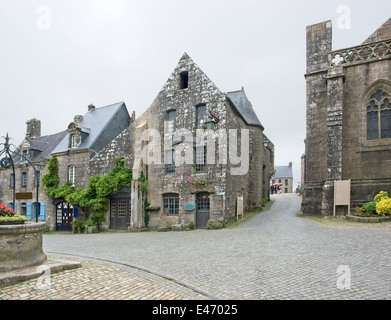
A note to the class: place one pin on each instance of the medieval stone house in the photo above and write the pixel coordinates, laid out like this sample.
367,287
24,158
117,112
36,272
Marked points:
22,184
88,147
192,132
187,141
348,118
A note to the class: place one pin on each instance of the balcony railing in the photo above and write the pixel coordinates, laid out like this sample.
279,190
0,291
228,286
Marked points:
361,54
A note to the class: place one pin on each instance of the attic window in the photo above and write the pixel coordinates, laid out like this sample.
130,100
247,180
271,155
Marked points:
184,81
73,141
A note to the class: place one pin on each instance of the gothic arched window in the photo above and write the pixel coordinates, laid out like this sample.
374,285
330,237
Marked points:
379,116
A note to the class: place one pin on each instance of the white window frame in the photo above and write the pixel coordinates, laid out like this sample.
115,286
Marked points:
72,174
73,141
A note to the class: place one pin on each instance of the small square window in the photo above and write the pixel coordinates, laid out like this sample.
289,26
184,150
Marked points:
171,203
184,80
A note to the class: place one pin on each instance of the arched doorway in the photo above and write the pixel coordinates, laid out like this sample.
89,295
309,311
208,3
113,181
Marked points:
64,216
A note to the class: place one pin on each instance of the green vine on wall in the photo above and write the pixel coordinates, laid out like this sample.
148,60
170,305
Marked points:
96,197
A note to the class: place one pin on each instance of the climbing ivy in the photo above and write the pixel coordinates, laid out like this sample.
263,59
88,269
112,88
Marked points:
95,198
51,179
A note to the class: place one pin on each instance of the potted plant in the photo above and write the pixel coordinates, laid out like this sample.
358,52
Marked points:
9,216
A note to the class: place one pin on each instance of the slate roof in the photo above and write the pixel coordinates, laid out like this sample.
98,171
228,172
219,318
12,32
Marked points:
283,172
93,124
42,147
244,107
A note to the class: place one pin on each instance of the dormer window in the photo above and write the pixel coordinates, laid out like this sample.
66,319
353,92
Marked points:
184,80
73,141
25,154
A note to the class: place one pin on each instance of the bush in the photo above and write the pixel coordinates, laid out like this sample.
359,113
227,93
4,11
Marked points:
370,208
382,195
384,206
13,218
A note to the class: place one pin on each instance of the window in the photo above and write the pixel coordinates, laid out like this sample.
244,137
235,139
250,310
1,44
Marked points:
73,141
199,158
171,117
200,115
24,179
12,180
286,182
72,174
25,155
37,178
171,203
23,207
184,80
170,164
379,116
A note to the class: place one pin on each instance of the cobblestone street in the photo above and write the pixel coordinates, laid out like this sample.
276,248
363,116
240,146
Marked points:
274,255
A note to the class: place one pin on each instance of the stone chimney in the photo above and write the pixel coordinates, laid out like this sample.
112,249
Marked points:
134,116
33,128
91,107
77,119
290,164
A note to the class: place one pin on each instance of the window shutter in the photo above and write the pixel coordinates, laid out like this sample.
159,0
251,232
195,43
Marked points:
15,208
28,210
42,213
76,213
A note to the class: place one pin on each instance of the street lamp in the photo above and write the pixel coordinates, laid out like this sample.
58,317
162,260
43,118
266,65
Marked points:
7,162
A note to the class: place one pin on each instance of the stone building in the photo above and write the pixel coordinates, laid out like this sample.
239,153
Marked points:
348,118
90,147
188,145
197,154
283,175
24,181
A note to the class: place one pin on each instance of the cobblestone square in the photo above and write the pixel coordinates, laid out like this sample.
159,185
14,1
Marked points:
275,255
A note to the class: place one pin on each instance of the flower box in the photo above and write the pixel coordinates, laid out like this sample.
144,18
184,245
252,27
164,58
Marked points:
12,222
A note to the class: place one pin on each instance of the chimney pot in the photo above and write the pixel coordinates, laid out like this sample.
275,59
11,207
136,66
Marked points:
33,128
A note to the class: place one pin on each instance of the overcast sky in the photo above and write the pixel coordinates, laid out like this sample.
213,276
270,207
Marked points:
59,56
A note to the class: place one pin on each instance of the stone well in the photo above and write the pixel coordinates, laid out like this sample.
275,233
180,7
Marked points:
21,246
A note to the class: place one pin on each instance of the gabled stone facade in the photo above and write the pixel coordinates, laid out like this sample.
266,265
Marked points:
174,125
348,118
